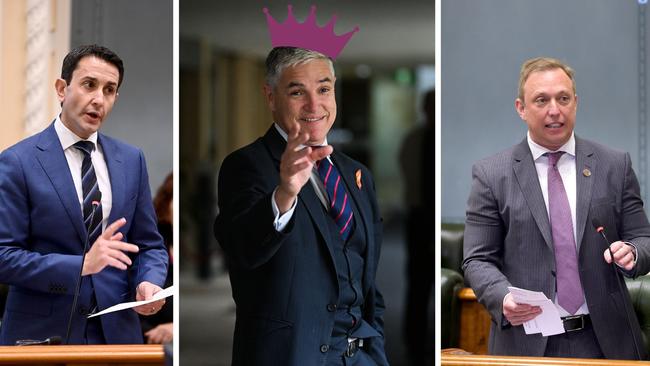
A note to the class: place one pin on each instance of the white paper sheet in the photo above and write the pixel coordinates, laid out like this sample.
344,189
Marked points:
548,322
169,291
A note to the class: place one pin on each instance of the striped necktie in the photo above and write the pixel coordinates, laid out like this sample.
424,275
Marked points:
339,209
90,192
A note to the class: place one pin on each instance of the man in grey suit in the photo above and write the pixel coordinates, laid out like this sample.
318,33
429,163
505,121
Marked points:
529,225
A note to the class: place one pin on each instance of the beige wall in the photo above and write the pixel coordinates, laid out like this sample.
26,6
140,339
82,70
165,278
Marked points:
55,31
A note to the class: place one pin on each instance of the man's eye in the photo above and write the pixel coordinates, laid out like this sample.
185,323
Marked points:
110,91
88,84
296,93
565,99
324,90
540,101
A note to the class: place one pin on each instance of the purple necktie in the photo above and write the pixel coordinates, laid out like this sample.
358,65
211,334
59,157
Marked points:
569,289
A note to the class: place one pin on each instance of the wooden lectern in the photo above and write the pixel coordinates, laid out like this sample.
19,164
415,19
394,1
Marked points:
451,357
78,355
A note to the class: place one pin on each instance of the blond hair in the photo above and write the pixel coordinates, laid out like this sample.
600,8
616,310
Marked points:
542,64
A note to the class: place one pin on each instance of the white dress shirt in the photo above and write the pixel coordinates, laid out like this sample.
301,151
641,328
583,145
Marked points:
75,159
567,168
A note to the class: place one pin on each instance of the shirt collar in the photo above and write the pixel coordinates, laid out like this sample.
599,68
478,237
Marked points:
286,137
537,150
69,138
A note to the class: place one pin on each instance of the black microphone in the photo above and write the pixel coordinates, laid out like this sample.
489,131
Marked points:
57,339
34,342
601,230
95,205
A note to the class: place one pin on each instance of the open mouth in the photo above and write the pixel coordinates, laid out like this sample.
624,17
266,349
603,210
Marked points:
554,125
93,115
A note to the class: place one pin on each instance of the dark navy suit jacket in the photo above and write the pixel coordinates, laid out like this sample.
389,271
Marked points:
283,282
42,237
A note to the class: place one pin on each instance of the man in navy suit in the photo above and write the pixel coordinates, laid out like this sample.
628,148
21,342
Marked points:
43,226
300,225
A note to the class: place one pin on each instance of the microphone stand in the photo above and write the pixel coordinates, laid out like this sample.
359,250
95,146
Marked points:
601,230
78,285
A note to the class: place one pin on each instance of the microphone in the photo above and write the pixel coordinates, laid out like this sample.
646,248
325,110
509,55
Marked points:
601,230
34,342
95,205
57,339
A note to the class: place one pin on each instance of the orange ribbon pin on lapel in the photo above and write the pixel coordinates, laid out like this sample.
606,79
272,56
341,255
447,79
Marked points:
357,175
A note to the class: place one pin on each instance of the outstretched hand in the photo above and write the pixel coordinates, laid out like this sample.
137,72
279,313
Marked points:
108,250
296,165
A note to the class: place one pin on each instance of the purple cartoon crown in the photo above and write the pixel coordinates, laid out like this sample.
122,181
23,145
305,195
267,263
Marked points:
307,35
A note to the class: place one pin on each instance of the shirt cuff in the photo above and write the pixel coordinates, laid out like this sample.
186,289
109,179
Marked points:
281,221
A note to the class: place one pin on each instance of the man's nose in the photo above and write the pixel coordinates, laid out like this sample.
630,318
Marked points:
98,97
553,108
311,103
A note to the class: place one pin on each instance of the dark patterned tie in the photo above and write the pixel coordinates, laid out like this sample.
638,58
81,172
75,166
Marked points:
339,209
569,289
90,192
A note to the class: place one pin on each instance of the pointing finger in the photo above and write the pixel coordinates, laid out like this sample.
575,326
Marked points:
112,228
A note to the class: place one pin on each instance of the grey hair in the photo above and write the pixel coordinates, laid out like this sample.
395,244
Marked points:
282,57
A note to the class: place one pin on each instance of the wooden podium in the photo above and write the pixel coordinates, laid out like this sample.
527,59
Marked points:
456,357
78,355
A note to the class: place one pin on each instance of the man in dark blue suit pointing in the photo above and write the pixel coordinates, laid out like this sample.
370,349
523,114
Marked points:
63,186
301,227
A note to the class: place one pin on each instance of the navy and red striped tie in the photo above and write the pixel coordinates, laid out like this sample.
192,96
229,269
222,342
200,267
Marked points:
339,209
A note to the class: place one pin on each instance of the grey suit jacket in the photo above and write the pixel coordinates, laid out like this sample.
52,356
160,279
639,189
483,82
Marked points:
508,242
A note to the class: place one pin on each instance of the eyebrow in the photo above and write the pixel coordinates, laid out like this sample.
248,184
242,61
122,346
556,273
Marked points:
92,78
298,84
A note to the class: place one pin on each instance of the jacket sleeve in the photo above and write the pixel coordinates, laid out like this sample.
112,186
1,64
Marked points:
376,348
633,221
244,227
19,264
483,246
151,262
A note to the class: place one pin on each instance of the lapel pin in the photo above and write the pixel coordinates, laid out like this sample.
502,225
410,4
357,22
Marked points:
586,172
357,175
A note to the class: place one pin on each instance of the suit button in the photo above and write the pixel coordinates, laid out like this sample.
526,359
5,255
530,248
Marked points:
331,307
324,348
82,310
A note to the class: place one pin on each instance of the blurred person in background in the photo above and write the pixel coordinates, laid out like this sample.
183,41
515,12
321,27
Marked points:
416,159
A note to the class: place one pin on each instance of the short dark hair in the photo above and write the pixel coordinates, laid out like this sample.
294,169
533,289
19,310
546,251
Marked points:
72,59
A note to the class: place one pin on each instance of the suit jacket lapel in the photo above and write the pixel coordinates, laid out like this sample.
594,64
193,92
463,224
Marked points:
585,161
50,156
276,145
526,174
117,176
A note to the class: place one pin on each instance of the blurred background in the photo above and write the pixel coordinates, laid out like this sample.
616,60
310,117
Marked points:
382,77
35,36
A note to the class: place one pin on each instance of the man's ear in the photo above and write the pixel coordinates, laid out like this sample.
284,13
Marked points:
521,109
59,86
270,96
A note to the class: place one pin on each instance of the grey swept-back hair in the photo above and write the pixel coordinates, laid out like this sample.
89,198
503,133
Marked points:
282,57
